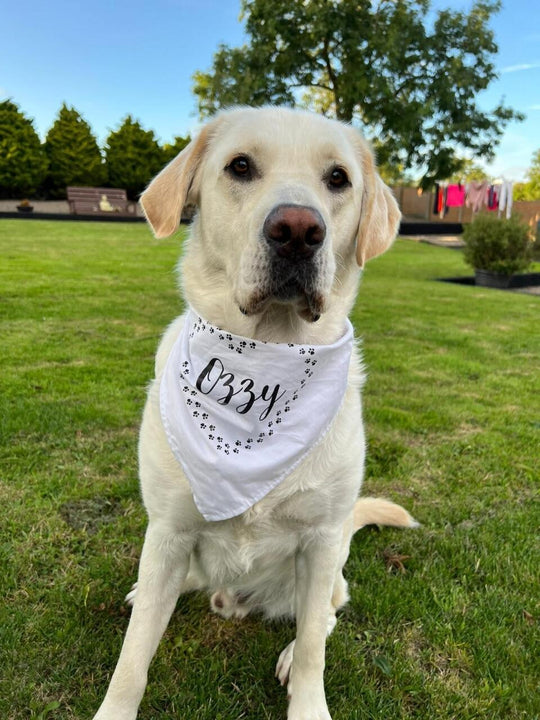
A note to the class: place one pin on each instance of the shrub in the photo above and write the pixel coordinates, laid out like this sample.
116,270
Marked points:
498,245
171,150
133,157
23,163
73,152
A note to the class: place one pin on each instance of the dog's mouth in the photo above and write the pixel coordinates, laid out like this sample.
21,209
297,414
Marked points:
309,304
294,285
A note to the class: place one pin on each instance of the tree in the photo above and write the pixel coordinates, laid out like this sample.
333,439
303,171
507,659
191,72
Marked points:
411,85
133,157
530,190
468,171
23,163
73,153
171,150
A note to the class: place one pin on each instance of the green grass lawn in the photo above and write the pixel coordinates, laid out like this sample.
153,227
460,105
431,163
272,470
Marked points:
452,409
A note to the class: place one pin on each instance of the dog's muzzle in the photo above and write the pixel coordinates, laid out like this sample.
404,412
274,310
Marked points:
294,236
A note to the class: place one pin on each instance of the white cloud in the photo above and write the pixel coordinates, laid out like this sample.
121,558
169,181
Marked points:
534,107
523,66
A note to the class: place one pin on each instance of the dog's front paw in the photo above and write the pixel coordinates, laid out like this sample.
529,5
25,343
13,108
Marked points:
306,694
308,706
107,712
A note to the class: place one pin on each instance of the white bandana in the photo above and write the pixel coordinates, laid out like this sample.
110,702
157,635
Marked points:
240,414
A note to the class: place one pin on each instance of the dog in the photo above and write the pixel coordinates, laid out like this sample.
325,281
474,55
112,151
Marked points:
289,209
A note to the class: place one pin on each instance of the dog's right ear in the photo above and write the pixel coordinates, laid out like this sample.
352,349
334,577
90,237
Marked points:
165,197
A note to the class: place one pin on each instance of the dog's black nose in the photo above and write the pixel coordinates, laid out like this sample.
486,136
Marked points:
294,232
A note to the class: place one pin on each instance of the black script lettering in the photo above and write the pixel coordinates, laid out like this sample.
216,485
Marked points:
206,376
274,397
214,376
247,386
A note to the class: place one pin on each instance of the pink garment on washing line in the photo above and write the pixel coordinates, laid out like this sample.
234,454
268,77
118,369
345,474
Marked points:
455,196
477,193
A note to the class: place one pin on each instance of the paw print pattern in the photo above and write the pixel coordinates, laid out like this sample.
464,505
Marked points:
243,346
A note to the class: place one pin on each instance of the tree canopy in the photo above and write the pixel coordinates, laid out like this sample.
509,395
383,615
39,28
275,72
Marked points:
133,157
23,163
171,150
408,77
73,153
530,190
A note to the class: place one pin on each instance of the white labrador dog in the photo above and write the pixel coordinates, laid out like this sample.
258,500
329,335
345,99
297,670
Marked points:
290,207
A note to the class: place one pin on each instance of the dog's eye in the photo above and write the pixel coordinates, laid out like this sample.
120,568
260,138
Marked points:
240,167
337,179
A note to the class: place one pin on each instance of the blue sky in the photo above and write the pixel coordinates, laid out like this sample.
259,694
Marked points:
108,59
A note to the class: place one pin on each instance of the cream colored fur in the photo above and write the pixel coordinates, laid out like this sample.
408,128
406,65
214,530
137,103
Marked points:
285,555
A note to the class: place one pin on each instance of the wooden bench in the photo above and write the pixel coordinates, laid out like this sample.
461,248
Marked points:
99,201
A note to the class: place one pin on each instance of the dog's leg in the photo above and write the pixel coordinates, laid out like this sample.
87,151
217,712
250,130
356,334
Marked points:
163,569
340,596
316,566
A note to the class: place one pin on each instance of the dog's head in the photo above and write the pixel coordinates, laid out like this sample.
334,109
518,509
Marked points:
286,201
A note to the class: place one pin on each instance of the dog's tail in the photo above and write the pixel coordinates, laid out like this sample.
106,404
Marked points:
375,511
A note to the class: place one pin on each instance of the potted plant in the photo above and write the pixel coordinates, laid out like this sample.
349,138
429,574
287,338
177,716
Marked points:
24,206
497,249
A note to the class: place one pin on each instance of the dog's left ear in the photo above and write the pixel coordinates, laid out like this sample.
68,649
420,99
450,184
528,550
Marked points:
380,215
165,197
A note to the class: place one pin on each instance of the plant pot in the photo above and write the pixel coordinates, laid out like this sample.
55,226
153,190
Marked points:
487,278
25,208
